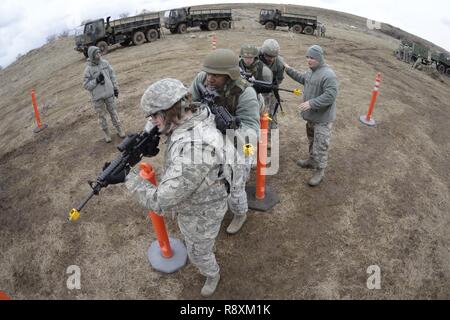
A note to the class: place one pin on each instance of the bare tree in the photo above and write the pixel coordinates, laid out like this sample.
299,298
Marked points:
64,34
51,38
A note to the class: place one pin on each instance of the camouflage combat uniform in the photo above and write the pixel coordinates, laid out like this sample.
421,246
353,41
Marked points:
102,94
261,72
321,89
241,101
192,187
271,47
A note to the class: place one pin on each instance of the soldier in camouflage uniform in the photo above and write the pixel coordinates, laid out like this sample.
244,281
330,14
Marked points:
269,55
193,185
249,63
318,109
100,81
221,73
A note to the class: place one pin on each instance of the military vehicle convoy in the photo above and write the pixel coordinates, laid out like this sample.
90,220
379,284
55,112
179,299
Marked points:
409,52
136,30
299,23
179,20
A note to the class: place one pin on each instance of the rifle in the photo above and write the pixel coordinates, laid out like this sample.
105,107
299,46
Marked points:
132,149
267,87
223,118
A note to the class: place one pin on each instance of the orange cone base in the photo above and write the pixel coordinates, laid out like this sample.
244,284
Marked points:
266,204
167,265
370,123
37,130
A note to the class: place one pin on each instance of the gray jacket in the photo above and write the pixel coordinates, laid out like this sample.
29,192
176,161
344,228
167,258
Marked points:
321,90
93,69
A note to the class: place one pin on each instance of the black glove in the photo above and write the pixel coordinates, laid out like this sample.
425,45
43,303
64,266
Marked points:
117,176
101,78
220,125
116,92
237,120
151,148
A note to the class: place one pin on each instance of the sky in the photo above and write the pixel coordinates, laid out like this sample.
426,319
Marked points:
26,24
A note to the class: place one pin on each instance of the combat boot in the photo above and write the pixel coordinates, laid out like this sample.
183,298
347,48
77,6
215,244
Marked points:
210,286
236,224
107,136
317,177
306,164
120,132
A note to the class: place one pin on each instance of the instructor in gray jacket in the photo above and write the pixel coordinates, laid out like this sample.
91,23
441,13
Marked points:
318,109
100,81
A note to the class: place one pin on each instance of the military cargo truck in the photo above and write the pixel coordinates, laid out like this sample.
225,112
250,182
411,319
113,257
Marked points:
299,23
178,20
136,30
418,50
442,61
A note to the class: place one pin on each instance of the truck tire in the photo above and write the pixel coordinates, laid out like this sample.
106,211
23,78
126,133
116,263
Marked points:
151,35
308,30
138,38
441,69
212,25
224,25
297,28
448,72
182,28
269,25
103,46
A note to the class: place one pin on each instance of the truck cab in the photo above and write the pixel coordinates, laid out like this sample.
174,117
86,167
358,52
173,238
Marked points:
268,15
93,31
173,17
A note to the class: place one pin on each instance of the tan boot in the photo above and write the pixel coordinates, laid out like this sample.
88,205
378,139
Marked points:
210,286
107,136
317,178
120,132
236,224
305,164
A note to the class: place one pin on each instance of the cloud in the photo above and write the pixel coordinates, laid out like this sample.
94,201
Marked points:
26,24
446,21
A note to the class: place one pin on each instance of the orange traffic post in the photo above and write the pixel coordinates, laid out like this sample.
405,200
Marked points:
40,126
367,119
260,197
214,42
166,254
262,159
4,296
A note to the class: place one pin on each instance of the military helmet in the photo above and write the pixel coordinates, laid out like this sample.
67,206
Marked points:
249,51
222,61
270,47
162,95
